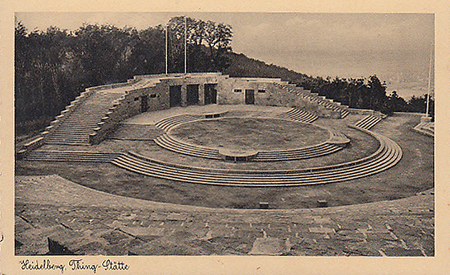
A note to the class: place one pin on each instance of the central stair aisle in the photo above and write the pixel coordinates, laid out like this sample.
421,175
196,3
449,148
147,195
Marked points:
368,122
75,129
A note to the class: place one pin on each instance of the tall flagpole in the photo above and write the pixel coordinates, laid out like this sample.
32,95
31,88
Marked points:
185,44
429,83
167,42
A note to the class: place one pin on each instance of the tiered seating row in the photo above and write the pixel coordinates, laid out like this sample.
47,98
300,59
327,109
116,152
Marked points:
71,156
323,101
301,153
301,115
166,141
170,122
368,122
387,155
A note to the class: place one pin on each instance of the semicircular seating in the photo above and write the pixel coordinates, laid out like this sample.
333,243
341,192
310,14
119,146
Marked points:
173,121
170,143
166,141
296,154
387,155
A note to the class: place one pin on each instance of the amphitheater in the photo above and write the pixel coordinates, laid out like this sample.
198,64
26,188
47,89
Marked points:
207,164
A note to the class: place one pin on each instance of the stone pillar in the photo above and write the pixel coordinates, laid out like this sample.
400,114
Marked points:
184,95
201,94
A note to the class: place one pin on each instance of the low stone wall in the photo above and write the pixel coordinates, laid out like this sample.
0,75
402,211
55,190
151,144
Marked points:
28,147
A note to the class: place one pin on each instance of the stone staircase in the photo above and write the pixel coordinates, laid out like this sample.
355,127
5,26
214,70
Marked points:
368,122
314,97
75,129
426,128
387,155
71,156
301,115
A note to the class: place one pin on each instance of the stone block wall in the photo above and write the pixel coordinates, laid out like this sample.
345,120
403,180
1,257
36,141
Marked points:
127,106
157,99
267,93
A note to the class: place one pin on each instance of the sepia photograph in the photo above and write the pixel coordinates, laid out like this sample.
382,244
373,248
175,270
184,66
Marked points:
255,135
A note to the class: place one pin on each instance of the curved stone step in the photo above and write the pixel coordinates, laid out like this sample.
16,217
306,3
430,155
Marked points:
301,115
170,122
71,156
388,154
168,142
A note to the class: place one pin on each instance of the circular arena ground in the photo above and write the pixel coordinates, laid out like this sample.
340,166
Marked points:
249,127
251,133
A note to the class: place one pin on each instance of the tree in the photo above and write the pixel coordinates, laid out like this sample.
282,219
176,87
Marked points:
207,42
377,92
147,52
218,38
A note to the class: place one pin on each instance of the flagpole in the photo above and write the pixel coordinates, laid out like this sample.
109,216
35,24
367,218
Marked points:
167,42
429,84
185,45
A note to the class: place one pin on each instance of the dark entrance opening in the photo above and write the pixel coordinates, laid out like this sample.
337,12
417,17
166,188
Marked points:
192,94
249,96
144,103
175,95
210,94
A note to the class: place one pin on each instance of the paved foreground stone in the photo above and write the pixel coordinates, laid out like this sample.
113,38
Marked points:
56,216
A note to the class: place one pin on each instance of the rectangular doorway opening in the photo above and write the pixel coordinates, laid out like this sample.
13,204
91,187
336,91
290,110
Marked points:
249,96
210,94
144,103
175,95
192,94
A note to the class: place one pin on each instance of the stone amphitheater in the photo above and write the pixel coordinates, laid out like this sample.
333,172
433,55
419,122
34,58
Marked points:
207,164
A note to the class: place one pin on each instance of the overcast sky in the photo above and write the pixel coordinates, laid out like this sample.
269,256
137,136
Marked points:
317,44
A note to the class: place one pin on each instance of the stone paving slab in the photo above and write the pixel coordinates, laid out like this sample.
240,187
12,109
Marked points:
268,246
96,223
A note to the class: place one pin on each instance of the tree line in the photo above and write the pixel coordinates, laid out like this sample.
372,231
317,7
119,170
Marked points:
53,66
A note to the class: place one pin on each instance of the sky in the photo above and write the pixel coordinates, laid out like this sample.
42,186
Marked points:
395,47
